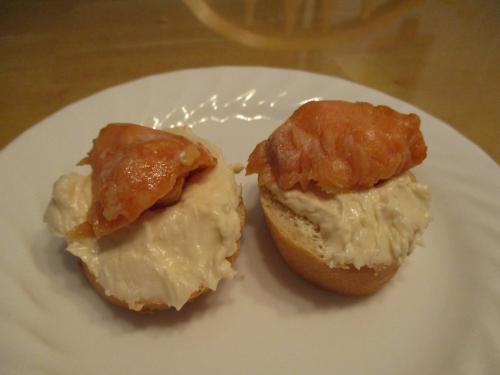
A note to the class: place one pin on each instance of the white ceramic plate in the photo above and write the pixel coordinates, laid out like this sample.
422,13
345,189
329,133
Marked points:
439,315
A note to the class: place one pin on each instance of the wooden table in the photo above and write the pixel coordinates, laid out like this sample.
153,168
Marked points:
442,56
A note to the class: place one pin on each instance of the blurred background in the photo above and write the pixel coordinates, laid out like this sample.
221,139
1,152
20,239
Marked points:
442,56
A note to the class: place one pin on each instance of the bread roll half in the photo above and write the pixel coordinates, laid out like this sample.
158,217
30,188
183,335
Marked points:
151,306
299,251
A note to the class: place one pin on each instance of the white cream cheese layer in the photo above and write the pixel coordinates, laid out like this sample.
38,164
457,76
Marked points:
167,254
371,228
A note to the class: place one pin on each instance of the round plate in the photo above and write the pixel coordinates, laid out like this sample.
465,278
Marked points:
440,314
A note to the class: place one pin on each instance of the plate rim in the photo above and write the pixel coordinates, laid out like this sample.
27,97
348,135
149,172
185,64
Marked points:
26,132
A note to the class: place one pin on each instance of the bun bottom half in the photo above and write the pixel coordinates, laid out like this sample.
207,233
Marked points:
296,238
152,306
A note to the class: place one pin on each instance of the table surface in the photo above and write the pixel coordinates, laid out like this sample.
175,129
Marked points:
442,56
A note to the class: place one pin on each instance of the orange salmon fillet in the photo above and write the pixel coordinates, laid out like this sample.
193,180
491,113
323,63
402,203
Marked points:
134,168
339,146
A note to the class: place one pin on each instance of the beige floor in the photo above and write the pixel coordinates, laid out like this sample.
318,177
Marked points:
443,56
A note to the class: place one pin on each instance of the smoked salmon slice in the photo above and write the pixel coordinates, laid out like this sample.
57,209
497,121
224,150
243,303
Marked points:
339,146
135,168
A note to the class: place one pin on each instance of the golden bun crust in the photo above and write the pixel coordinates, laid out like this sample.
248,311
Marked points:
151,306
297,250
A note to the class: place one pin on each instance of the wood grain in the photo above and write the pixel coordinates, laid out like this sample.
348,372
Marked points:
439,55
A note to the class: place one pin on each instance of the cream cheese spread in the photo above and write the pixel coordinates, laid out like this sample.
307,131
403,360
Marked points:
370,228
167,254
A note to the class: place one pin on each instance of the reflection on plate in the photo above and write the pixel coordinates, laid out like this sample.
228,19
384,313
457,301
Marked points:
439,314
